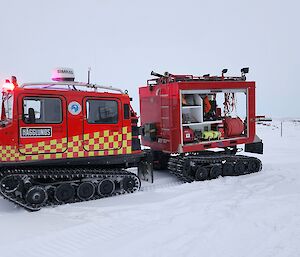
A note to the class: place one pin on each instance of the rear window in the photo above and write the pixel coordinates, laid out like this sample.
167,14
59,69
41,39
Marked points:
102,111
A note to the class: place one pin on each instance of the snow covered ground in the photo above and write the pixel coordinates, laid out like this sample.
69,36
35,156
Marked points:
252,215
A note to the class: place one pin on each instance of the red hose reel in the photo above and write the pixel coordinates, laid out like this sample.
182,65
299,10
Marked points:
233,127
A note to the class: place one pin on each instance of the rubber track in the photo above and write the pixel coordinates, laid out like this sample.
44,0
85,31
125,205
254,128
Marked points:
65,175
177,164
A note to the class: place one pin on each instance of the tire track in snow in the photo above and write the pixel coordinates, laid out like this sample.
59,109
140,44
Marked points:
161,186
70,241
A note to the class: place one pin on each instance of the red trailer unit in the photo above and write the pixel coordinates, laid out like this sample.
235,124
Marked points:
187,114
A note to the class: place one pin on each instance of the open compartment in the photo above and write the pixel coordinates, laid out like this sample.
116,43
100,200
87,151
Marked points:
208,115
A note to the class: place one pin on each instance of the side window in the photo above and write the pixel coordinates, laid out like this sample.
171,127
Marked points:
42,110
102,111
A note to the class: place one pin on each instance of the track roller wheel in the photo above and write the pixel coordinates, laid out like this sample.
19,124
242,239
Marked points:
253,166
36,195
64,193
215,171
201,174
187,172
10,184
128,184
239,168
106,187
86,191
228,169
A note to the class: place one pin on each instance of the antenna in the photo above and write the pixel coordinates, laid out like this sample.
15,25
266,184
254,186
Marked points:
89,74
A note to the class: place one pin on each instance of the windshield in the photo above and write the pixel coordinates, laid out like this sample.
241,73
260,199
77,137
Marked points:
6,107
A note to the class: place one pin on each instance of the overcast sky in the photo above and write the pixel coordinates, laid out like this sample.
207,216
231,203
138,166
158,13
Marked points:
122,41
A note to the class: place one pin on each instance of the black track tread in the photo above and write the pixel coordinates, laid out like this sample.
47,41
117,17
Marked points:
176,164
63,175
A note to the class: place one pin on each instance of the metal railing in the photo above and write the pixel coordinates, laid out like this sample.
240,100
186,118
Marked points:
169,78
71,86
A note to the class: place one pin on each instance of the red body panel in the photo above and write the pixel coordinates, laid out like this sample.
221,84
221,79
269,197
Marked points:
160,104
72,138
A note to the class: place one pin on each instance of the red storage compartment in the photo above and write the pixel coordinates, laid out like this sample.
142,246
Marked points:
233,127
175,104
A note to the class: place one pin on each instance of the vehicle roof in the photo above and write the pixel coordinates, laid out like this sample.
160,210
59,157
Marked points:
69,88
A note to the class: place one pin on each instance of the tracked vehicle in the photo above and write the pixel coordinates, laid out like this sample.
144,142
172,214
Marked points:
65,141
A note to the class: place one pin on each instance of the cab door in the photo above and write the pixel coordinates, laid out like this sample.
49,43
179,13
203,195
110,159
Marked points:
42,124
102,124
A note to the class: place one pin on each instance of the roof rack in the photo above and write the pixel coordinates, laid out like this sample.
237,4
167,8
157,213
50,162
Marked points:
48,85
169,78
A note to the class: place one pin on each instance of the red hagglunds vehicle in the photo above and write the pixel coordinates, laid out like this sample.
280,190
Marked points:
66,141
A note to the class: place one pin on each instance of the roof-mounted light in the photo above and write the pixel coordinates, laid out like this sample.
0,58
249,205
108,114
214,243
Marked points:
8,86
245,70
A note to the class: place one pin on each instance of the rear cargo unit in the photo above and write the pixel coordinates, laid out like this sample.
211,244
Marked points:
170,110
186,115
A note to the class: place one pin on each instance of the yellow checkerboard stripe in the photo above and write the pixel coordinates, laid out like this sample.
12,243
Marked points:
93,144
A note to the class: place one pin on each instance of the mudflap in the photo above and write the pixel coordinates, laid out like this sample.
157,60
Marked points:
256,147
145,168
